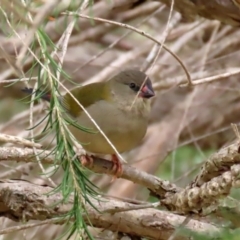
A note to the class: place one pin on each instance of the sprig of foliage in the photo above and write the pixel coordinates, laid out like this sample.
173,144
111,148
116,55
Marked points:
74,181
75,184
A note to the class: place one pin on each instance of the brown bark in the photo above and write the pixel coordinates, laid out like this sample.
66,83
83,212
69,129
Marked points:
20,200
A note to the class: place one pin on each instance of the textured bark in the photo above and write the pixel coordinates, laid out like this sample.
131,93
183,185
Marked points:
215,180
20,200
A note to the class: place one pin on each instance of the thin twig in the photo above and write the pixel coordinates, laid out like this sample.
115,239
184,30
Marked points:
18,140
138,31
29,225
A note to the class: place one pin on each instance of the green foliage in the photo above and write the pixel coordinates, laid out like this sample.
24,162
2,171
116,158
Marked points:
75,185
224,234
182,160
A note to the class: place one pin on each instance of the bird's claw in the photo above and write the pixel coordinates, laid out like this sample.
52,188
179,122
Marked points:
117,167
86,160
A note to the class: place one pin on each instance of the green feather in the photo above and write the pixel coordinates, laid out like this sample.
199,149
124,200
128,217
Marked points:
86,95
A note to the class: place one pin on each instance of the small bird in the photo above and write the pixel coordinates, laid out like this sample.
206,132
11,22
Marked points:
120,107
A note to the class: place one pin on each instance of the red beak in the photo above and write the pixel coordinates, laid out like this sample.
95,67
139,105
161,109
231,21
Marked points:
147,91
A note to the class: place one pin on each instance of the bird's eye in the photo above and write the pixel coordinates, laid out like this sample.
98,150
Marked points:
134,86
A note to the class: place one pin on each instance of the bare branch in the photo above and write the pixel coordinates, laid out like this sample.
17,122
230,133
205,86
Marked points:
218,163
23,200
195,198
13,139
156,185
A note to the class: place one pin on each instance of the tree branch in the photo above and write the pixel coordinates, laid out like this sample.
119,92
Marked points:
21,200
218,175
156,185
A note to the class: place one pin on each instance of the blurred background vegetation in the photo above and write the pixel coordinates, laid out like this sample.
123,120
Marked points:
187,124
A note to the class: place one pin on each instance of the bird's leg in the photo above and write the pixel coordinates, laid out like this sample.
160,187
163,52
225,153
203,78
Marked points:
86,160
117,167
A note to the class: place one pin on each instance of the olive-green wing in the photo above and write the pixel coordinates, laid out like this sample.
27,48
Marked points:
86,95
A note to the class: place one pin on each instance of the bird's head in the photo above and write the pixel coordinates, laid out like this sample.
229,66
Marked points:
131,83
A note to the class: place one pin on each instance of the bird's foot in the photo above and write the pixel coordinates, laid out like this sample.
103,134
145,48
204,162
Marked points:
117,167
86,160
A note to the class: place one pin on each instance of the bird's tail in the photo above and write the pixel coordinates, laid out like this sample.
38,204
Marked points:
43,95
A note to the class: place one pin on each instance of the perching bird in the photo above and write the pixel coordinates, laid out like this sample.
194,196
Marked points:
120,107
